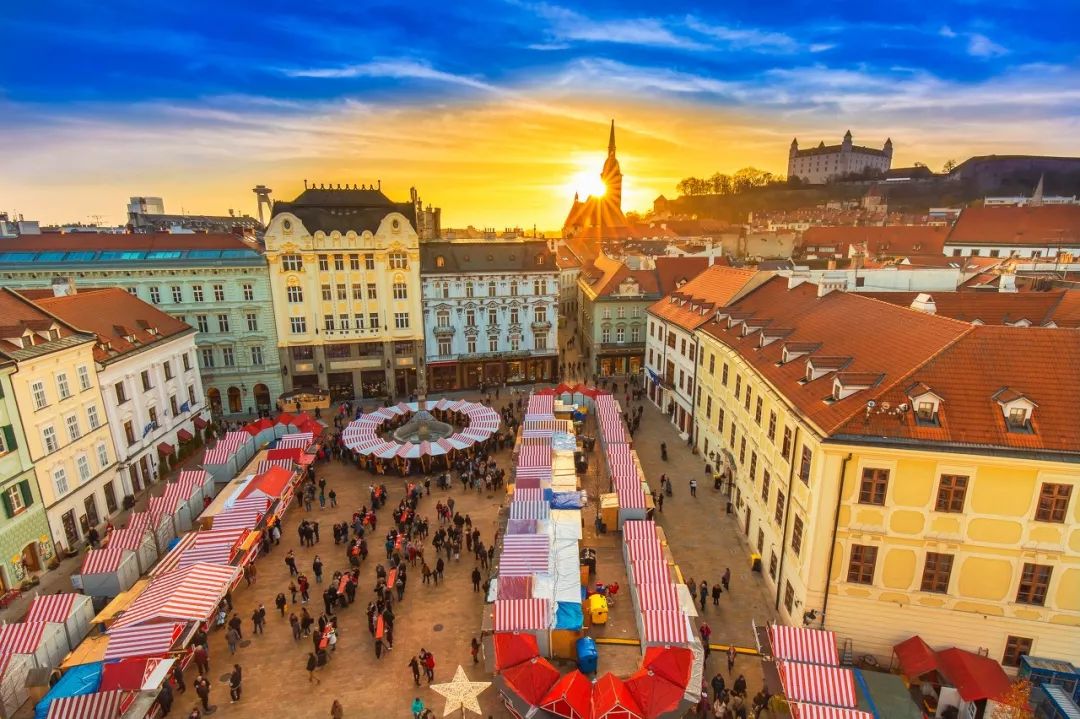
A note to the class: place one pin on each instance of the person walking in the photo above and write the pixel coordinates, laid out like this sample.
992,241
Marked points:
233,638
693,487
417,708
731,654
316,569
312,665
703,592
336,710
202,688
726,579
294,624
705,631
201,659
165,699
290,562
716,594
234,684
280,603
474,649
429,665
414,665
178,677
476,579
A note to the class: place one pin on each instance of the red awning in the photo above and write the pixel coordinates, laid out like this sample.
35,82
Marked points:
671,663
271,483
531,680
514,648
571,697
252,428
916,657
449,363
653,693
563,388
975,677
183,435
285,418
264,423
199,423
165,448
612,699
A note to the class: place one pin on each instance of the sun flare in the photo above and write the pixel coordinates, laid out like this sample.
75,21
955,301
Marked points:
586,183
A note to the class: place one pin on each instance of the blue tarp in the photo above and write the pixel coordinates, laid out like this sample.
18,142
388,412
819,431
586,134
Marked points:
568,615
586,655
79,680
566,500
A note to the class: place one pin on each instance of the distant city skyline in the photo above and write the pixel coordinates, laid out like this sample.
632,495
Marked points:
497,111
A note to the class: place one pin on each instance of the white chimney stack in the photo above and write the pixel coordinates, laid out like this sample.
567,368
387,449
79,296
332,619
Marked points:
924,303
63,287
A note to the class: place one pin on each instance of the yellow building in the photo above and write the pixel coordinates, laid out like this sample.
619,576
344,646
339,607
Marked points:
898,472
62,412
345,278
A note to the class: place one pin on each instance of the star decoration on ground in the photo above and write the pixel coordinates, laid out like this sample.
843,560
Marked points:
461,693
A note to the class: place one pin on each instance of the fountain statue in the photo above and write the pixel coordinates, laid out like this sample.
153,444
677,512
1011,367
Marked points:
423,427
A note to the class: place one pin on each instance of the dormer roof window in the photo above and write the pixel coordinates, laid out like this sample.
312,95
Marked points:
795,350
846,384
817,367
925,403
1016,408
768,336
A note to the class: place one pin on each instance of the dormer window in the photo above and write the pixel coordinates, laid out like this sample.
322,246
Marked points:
1018,417
1016,408
926,411
54,334
818,367
925,403
846,384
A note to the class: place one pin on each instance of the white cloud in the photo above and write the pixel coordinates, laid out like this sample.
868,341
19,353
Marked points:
947,31
821,46
980,45
394,69
745,38
565,25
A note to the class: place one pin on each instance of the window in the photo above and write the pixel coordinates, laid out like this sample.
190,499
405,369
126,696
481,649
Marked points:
343,321
772,566
373,320
951,492
341,292
723,375
84,377
540,342
73,430
219,293
191,395
738,386
469,288
328,323
874,486
753,467
399,261
297,326
515,343
257,356
252,321
369,261
249,292
129,432
354,262
357,292
444,346
804,468
708,405
513,288
358,321
202,323
372,294
772,424
796,535
746,404
493,316
82,465
292,263
1015,647
187,362
861,566
1053,502
339,262
48,437
110,497
766,482
515,317
401,320
207,357
400,291
936,572
324,263
17,498
470,318
493,344
60,481
177,294
146,383
155,295
742,450
470,344
102,455
760,540
174,405
166,366
92,417
720,420
37,389
1034,583
295,294
121,393
491,288
789,597
446,290
197,293
540,314
635,334
733,435
327,293
712,364
538,287
228,358
757,412
62,386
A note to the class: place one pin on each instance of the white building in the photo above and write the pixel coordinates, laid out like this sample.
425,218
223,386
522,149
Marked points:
1036,232
818,165
491,312
148,373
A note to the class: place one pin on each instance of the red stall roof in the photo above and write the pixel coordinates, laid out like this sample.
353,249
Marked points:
271,483
514,648
611,698
975,677
571,697
653,693
915,656
531,679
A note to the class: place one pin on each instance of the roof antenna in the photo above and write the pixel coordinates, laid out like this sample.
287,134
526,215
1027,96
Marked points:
305,183
380,184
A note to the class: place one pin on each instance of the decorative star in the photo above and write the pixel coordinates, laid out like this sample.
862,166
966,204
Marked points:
461,693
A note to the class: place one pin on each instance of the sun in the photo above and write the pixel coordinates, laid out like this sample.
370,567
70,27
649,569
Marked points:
587,182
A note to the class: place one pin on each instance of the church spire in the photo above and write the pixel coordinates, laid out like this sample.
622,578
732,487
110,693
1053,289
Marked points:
611,140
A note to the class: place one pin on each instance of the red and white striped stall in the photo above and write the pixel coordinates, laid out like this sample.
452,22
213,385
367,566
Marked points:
817,684
802,644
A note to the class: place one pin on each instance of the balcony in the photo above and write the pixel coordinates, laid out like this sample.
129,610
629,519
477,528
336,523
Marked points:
444,330
621,346
544,326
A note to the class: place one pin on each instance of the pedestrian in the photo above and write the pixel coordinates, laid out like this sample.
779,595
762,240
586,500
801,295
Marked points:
202,688
294,623
693,487
718,685
312,665
414,665
417,708
705,631
201,659
290,562
476,579
336,710
378,647
234,684
716,594
178,677
260,619
660,502
703,593
316,569
233,638
475,651
731,654
429,665
726,579
280,603
236,624
333,498
739,687
165,699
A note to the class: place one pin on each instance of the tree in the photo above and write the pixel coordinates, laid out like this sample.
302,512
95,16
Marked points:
720,184
1015,702
949,166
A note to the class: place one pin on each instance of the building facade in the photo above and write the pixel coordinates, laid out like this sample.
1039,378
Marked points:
818,165
886,485
491,312
345,277
63,415
216,283
25,540
146,366
672,345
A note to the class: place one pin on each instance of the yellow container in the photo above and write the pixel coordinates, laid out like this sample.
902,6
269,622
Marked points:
598,609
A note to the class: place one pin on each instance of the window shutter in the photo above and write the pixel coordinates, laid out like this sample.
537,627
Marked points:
8,510
9,438
27,493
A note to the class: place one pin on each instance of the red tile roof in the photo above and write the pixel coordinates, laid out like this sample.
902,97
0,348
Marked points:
113,315
103,241
883,241
18,314
1019,226
712,288
607,273
998,308
672,272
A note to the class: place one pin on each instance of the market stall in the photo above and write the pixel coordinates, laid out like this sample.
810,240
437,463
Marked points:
46,642
139,538
107,572
74,611
14,669
172,506
188,594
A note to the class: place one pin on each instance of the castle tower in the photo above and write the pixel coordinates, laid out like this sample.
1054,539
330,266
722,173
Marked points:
846,144
887,149
611,174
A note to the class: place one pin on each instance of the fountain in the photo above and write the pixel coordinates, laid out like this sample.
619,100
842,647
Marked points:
423,427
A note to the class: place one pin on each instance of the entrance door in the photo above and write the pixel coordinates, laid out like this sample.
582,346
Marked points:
71,530
746,527
30,557
147,472
262,396
214,395
235,403
340,385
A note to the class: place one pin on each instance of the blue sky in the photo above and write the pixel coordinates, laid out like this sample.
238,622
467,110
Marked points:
486,105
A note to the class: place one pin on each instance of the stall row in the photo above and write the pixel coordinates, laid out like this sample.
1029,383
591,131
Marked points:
235,449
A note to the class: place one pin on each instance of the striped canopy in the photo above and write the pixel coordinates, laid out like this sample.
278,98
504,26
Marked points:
104,561
51,608
653,597
638,529
143,640
189,594
522,614
21,638
525,554
802,644
817,684
650,572
99,705
664,627
820,711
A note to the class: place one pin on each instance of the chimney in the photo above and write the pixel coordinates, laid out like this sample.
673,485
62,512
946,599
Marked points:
63,286
1007,282
924,303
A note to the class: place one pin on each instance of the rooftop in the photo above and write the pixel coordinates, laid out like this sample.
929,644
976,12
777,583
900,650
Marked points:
998,308
715,287
94,247
1017,226
27,330
520,255
358,209
887,240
